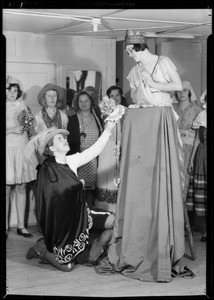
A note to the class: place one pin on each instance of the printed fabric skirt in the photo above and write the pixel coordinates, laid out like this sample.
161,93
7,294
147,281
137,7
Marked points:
148,235
197,191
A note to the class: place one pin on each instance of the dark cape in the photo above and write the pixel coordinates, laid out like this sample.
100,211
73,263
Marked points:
61,211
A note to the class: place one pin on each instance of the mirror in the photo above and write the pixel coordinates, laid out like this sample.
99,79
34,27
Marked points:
79,79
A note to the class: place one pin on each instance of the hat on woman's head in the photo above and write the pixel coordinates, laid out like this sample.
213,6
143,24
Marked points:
39,142
49,87
136,38
187,85
13,80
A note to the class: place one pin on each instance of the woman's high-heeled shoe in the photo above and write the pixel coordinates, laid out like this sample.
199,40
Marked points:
204,238
24,234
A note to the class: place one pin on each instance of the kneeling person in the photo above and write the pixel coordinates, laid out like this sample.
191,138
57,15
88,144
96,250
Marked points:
61,211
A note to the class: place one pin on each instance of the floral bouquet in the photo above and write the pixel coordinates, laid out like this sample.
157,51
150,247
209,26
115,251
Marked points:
26,119
110,111
107,106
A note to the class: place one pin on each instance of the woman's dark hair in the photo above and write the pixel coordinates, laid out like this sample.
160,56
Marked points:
139,47
115,87
19,94
47,151
76,100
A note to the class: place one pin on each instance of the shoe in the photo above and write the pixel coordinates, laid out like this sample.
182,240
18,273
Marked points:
38,250
186,273
203,239
6,233
31,253
27,235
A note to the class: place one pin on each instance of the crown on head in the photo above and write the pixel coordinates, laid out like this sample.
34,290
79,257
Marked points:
136,38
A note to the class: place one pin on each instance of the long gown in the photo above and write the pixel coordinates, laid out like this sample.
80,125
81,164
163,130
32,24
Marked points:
148,235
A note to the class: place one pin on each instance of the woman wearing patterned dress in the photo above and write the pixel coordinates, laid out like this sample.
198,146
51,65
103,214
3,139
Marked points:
17,172
108,167
51,99
197,191
187,110
85,127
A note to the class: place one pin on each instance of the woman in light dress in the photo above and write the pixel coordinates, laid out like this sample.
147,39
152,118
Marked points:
148,236
18,173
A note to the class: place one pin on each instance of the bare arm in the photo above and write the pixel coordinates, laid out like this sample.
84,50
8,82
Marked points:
97,148
195,146
175,83
16,130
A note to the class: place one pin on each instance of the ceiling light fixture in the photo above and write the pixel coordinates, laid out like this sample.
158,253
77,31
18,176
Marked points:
95,22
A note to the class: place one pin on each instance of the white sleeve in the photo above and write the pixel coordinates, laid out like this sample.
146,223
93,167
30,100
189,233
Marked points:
90,153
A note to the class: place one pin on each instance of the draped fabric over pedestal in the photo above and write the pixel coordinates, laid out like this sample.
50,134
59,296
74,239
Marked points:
61,211
148,236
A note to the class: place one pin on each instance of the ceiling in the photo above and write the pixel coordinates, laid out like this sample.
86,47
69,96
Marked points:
111,23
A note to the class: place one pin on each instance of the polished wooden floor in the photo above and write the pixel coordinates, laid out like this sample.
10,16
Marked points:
29,277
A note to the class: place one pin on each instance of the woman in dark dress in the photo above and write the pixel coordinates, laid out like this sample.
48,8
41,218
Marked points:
85,127
62,212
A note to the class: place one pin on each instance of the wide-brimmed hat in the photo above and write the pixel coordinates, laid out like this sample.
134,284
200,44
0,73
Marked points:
39,142
49,87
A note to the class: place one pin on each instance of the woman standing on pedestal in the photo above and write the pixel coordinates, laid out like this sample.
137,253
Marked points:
148,236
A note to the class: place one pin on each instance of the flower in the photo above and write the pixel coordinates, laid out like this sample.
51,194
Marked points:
107,106
116,181
26,119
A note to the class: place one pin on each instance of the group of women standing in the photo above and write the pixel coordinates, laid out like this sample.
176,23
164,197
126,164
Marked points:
144,187
85,127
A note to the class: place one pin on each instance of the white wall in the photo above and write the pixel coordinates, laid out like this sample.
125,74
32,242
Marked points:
190,58
65,53
78,53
